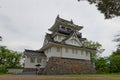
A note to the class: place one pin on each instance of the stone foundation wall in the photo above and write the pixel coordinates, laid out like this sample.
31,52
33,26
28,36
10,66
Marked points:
57,65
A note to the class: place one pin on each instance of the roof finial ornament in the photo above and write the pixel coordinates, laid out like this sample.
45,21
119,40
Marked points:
0,38
71,21
58,16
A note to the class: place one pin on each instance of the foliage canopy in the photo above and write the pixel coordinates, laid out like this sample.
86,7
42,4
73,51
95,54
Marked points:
8,59
110,8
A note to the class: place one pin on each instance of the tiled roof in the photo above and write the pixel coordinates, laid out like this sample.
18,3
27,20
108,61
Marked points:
66,21
33,53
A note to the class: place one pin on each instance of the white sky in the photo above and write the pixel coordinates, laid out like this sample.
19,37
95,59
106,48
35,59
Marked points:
23,23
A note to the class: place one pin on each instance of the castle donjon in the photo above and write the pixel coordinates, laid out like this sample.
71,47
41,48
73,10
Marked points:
63,51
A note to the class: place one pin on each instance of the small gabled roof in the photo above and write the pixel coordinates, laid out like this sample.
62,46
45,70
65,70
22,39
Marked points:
48,37
80,39
34,53
73,33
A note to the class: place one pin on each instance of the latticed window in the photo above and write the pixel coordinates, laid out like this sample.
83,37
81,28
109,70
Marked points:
82,52
76,51
58,49
32,59
72,50
39,60
66,50
86,53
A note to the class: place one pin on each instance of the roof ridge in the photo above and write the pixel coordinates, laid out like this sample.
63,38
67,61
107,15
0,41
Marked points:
61,19
32,50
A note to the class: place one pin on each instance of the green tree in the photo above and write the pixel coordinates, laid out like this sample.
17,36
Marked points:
117,39
97,49
8,59
114,60
110,8
117,52
102,65
114,63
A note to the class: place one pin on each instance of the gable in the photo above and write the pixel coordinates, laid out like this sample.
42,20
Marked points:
45,42
73,40
59,38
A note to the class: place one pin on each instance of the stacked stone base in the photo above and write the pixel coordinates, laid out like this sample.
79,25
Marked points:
57,65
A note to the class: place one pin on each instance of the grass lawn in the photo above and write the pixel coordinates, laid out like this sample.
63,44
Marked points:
61,77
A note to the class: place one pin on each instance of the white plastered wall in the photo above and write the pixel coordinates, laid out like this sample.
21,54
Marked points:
79,54
28,64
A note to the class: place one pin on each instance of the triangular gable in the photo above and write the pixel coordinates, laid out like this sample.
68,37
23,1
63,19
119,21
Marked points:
47,39
45,42
73,40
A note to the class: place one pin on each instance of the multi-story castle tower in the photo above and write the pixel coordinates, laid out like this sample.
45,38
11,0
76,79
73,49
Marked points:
63,51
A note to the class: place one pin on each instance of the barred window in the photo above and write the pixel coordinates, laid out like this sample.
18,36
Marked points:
38,60
76,51
72,50
58,49
66,49
82,52
86,53
32,59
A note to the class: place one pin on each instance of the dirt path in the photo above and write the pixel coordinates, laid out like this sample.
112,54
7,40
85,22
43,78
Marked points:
59,77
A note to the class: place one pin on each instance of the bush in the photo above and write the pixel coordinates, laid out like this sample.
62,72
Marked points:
3,69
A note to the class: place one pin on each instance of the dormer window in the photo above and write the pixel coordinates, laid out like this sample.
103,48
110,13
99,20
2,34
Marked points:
68,29
63,27
32,59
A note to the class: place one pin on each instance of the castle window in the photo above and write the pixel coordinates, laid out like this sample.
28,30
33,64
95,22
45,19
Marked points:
32,59
76,51
66,49
86,53
68,29
72,50
81,52
38,60
63,27
58,49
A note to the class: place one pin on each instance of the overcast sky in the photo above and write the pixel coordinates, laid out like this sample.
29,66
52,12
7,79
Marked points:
23,23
